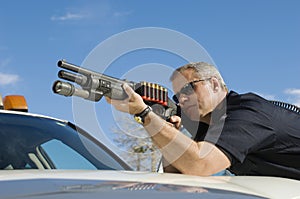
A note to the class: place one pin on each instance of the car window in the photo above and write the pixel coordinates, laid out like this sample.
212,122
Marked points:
68,158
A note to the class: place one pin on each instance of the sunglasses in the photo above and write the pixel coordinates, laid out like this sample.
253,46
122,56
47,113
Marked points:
187,89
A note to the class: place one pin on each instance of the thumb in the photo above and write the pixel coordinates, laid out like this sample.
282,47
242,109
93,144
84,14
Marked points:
175,118
129,91
176,121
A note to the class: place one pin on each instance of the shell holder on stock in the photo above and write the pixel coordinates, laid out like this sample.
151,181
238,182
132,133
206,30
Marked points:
151,92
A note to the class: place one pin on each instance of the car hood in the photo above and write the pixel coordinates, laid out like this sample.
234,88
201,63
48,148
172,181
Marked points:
122,184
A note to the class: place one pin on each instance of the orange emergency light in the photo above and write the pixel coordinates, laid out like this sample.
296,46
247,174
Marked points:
15,102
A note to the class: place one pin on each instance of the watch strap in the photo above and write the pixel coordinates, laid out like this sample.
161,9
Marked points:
140,118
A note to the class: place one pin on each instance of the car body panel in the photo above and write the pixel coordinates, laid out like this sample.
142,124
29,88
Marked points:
83,181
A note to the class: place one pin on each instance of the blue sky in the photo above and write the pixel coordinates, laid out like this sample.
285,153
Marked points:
255,44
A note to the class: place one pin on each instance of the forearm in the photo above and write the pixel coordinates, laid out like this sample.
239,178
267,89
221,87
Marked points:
178,150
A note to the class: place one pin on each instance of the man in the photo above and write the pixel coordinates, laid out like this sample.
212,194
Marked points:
241,132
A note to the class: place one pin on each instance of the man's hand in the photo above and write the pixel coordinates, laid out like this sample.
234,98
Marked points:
134,104
175,121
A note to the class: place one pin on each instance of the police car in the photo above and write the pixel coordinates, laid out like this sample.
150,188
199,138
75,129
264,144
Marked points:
45,157
31,141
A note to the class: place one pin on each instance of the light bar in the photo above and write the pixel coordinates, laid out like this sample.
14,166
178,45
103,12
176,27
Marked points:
15,102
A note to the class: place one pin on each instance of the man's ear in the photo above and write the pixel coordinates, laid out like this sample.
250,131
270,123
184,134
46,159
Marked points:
215,84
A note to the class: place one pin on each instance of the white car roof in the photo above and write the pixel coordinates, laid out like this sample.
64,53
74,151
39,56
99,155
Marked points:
269,187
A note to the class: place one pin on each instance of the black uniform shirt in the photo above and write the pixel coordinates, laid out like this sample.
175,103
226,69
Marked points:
258,137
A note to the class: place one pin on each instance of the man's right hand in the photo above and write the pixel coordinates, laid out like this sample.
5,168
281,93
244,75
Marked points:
134,104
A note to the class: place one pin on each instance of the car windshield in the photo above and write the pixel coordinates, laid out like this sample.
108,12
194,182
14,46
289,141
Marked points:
33,142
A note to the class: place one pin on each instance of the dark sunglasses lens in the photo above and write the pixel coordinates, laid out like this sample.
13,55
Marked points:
188,89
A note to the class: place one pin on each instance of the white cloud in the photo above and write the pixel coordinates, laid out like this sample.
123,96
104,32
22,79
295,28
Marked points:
96,12
6,79
121,14
292,96
68,16
293,91
295,99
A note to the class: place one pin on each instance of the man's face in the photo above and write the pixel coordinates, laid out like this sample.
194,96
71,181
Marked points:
200,102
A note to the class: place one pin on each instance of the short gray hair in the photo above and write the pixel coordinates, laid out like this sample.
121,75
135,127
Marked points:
202,70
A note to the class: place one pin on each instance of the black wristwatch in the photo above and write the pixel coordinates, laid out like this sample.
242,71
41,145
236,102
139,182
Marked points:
140,118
